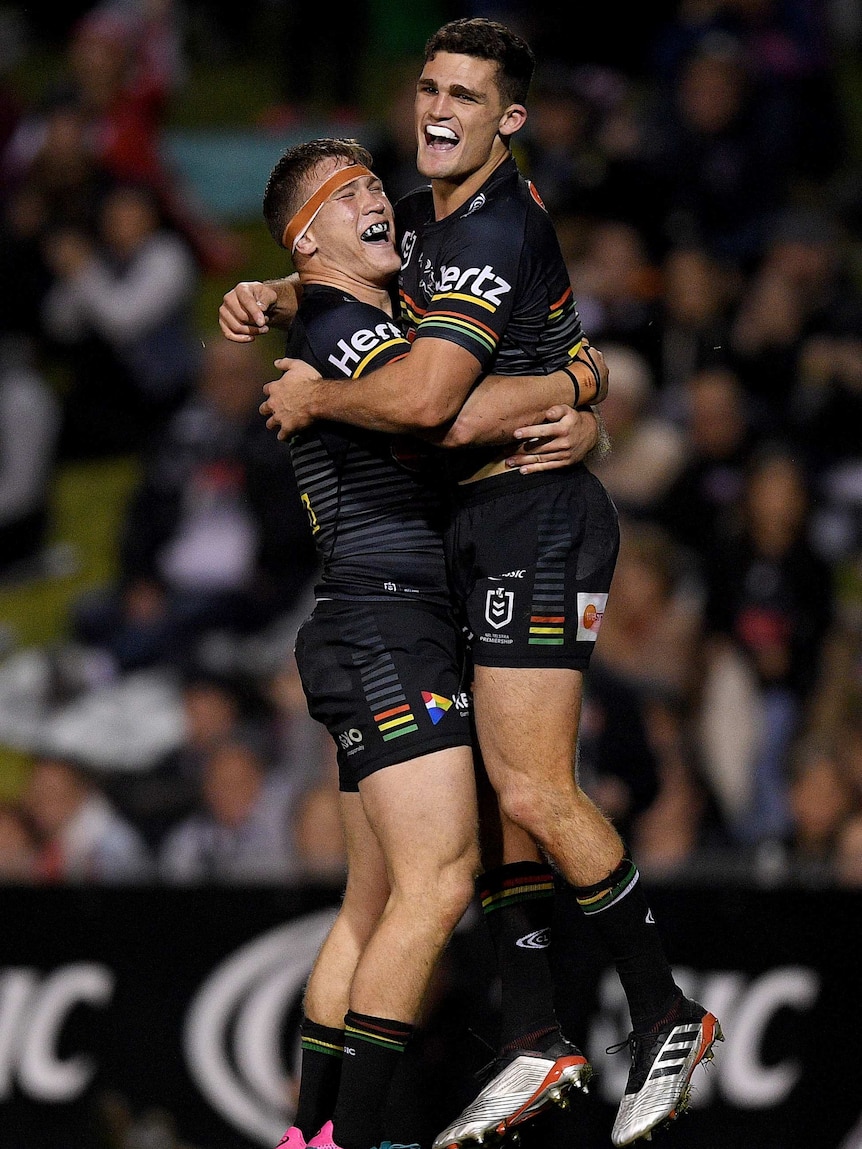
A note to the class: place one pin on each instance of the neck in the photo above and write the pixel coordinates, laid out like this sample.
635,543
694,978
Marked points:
449,195
370,293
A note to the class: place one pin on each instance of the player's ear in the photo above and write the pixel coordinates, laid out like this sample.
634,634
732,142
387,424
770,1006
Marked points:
305,245
512,120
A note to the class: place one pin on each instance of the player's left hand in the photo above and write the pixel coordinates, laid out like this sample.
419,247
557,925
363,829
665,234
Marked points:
566,438
286,403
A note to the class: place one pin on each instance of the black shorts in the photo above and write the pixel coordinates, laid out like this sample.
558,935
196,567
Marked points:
531,558
386,679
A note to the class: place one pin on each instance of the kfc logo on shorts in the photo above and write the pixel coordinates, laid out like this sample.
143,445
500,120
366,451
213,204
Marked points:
499,604
591,610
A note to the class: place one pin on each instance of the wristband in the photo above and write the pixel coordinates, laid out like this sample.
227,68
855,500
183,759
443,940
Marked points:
590,362
575,384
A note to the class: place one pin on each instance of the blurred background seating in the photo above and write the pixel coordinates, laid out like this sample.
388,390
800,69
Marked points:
155,560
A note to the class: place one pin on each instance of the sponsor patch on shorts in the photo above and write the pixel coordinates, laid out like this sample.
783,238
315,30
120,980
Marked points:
591,610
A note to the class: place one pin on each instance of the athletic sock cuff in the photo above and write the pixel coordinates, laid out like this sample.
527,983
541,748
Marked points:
380,1031
516,882
321,1038
593,899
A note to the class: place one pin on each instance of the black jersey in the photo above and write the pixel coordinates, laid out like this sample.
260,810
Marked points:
376,523
490,277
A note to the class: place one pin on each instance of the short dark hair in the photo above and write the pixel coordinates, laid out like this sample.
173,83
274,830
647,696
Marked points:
488,40
285,189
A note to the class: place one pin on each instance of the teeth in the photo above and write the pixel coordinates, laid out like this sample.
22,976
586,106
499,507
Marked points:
375,229
440,132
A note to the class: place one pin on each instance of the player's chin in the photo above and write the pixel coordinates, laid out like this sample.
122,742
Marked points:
435,164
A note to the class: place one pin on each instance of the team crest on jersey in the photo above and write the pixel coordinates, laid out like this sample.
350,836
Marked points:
478,202
499,604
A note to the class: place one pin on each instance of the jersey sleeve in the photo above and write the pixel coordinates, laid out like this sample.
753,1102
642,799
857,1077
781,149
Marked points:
475,290
352,339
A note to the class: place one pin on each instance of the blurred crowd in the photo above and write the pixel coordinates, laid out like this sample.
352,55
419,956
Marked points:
709,204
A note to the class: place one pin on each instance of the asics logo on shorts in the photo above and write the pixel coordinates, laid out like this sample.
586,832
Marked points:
537,940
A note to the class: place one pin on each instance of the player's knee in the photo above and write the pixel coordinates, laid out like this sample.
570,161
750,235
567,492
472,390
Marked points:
524,803
454,885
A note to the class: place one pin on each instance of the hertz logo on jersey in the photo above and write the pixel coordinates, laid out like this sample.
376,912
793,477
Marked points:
477,285
364,345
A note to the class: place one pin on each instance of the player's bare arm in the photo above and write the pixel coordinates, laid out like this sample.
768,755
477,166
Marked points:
419,394
253,307
500,404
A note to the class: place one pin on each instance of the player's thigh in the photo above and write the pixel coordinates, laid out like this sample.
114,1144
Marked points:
424,813
527,722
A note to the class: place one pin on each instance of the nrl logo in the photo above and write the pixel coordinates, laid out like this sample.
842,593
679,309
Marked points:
499,604
407,245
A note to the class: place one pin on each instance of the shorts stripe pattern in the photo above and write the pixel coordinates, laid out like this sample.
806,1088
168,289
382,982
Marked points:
548,617
381,685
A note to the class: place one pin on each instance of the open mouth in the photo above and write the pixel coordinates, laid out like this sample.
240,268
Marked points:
439,138
377,233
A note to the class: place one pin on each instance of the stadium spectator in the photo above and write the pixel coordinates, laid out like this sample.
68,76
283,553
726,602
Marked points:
652,627
216,709
648,448
721,163
771,598
719,437
692,325
18,845
123,65
82,837
215,536
617,284
29,430
848,853
242,830
121,313
821,802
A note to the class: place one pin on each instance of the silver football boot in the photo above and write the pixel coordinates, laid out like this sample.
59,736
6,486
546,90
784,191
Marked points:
658,1086
522,1085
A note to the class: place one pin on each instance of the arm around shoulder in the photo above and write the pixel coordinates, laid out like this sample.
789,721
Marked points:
252,307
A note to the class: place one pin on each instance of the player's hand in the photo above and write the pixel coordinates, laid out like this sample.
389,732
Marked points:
286,403
566,438
243,312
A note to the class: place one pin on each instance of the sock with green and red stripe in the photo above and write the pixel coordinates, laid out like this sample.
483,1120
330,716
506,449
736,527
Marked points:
322,1053
618,908
372,1047
518,905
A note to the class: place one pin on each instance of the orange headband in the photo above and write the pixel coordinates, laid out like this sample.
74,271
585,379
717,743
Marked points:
302,221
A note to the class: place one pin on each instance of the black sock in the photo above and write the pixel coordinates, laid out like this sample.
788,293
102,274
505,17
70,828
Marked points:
372,1047
518,904
618,908
322,1053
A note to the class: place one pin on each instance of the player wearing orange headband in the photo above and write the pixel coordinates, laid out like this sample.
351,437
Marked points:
484,287
381,657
